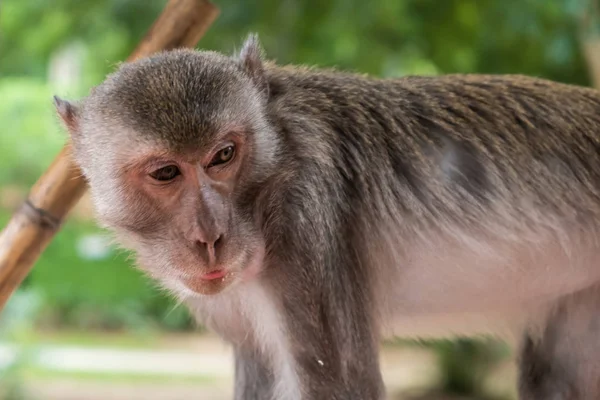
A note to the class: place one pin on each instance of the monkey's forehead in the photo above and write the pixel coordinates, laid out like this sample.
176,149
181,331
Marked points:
179,95
182,77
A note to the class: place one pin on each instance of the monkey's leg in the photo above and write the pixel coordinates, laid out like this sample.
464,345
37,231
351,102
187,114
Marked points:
253,379
563,362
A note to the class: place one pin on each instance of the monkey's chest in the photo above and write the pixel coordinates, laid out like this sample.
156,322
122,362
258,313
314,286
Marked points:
244,316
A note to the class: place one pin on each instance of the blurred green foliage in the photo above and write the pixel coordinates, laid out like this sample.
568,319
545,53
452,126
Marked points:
384,37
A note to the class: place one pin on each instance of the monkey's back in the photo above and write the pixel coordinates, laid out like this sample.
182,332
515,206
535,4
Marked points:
458,147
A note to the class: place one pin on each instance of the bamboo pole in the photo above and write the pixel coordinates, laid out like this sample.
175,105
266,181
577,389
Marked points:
181,24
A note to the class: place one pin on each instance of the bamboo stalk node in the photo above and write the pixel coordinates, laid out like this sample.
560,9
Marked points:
39,216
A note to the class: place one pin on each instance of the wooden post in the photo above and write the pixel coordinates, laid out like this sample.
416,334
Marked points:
181,24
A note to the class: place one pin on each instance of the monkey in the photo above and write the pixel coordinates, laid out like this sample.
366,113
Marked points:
305,214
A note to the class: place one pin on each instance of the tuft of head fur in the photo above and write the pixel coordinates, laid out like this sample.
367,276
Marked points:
251,57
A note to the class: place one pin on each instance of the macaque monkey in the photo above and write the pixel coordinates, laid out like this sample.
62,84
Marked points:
305,214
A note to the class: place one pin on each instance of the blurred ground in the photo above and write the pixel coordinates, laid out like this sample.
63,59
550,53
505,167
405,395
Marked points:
193,366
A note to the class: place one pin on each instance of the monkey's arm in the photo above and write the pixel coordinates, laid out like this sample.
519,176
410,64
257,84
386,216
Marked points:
331,335
331,338
253,378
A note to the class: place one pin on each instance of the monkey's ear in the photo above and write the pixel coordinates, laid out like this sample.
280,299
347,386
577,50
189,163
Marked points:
69,114
251,60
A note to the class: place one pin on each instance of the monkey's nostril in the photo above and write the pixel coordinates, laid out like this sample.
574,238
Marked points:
218,241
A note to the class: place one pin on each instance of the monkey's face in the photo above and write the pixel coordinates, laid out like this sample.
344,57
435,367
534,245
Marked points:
172,147
183,214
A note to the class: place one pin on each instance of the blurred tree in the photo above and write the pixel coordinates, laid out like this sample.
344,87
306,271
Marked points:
387,37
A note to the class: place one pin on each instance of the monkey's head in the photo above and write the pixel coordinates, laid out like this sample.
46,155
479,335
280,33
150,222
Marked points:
171,146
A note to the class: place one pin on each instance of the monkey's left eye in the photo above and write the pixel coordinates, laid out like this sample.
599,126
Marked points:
167,173
223,156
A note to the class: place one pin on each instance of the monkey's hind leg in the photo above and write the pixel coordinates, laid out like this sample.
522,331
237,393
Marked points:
562,362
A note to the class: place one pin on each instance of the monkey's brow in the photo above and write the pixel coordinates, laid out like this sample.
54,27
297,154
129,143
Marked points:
157,154
149,159
230,130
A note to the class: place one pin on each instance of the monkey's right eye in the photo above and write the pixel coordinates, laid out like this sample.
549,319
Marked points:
167,173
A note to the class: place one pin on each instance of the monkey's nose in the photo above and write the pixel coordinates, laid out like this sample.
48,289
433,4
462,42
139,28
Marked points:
211,247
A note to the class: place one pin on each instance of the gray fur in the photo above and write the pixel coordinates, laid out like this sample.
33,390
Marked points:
414,206
253,377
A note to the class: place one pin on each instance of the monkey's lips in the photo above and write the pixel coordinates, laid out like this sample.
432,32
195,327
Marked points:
216,274
211,282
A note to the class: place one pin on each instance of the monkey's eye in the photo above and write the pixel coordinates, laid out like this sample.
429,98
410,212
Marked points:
166,173
223,156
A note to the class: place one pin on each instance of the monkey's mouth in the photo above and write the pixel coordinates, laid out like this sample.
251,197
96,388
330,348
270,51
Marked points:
243,269
211,282
215,274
